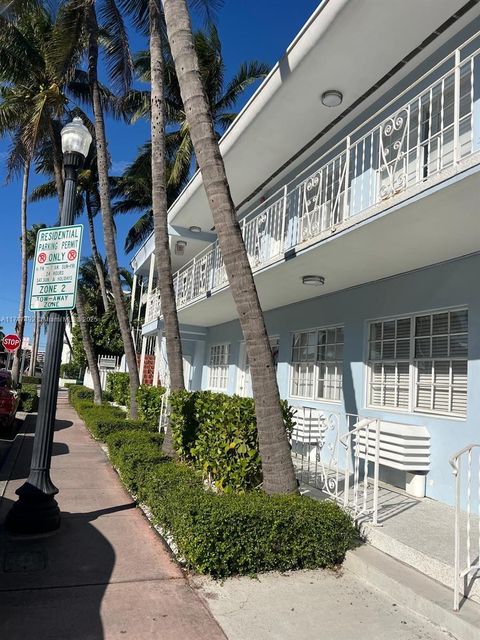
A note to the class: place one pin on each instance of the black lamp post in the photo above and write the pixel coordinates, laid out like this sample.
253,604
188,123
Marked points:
36,510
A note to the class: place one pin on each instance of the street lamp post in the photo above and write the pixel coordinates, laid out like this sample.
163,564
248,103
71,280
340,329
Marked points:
36,510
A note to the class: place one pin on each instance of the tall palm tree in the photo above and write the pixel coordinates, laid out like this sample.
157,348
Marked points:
79,20
32,99
278,472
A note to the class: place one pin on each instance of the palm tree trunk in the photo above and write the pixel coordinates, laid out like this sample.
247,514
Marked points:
20,324
89,349
163,258
107,217
36,338
96,255
278,472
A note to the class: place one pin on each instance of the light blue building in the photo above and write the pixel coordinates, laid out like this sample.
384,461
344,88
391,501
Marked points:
354,169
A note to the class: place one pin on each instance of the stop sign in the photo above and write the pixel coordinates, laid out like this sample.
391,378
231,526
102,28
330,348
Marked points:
11,342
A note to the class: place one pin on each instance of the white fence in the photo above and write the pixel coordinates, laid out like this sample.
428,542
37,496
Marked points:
428,129
466,470
106,365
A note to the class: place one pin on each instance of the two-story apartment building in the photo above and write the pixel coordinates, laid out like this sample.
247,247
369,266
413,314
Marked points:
354,169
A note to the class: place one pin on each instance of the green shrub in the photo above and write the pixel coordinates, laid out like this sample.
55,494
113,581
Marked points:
217,434
102,428
149,401
79,392
69,370
31,380
134,454
28,398
95,414
229,533
118,384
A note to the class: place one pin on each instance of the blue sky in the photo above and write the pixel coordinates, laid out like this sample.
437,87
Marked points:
249,29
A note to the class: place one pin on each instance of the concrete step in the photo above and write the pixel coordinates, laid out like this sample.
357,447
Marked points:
419,593
433,566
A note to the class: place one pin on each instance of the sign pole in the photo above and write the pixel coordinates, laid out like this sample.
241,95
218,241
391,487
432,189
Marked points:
36,510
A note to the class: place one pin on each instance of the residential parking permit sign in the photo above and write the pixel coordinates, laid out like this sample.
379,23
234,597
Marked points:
55,271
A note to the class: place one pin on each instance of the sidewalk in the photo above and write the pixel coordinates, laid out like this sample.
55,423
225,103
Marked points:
106,573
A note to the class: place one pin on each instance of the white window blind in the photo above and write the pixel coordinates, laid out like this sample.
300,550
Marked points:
419,363
218,365
317,364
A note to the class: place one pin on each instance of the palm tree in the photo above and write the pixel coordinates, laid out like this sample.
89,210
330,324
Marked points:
79,21
89,348
222,100
32,99
278,472
132,192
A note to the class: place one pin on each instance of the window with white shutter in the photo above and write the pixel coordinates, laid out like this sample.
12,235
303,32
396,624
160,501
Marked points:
419,363
218,366
317,364
440,357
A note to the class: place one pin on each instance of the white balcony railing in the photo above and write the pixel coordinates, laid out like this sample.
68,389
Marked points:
428,131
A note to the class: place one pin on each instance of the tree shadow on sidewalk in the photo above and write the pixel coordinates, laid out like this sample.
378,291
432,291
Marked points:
52,586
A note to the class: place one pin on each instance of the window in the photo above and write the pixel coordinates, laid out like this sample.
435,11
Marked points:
420,363
317,364
218,364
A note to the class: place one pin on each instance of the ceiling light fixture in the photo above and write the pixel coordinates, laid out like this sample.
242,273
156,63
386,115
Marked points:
332,98
195,229
180,247
313,281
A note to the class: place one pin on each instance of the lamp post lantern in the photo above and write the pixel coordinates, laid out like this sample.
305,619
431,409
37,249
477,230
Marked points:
36,510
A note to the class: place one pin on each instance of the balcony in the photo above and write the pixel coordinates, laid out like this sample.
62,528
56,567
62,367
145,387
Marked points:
428,133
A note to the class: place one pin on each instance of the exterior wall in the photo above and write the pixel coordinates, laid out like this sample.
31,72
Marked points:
148,369
438,287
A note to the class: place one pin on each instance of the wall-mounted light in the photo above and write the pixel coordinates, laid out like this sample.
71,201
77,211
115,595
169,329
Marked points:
332,98
313,281
195,229
180,247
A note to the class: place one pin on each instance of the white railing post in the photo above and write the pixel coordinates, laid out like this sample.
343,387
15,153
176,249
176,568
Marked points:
376,472
456,109
471,566
347,178
284,219
456,580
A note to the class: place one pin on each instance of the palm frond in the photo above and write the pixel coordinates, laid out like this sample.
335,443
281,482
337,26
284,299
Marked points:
43,192
248,73
117,50
139,232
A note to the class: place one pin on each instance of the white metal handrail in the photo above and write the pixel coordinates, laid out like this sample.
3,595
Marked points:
340,455
399,147
471,564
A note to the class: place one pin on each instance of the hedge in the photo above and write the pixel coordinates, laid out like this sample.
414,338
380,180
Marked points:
133,453
31,380
229,533
28,398
102,420
149,402
118,385
217,434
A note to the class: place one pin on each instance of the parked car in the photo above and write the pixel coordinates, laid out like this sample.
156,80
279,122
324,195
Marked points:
9,399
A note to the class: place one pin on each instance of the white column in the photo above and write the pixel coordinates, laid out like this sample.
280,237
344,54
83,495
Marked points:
158,355
132,296
150,286
142,358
